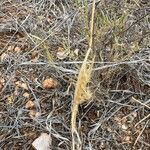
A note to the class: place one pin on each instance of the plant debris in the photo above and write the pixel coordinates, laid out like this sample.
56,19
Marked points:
82,89
49,83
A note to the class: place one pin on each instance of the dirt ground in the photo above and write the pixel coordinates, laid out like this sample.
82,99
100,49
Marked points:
42,46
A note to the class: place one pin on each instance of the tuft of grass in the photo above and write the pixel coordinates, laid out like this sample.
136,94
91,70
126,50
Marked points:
44,46
82,92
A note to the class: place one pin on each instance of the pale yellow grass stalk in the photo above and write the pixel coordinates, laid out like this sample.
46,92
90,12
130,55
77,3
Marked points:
82,93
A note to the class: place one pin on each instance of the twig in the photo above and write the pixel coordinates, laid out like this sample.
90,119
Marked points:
143,119
140,102
140,133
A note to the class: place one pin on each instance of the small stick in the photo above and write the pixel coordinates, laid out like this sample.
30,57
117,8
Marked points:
140,133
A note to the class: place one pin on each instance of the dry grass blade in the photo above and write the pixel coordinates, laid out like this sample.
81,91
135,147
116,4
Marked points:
82,92
140,103
140,133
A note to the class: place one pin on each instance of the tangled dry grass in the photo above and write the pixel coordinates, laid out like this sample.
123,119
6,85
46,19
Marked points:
31,35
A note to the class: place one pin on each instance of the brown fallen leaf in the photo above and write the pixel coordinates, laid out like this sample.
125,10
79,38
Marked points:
42,142
49,83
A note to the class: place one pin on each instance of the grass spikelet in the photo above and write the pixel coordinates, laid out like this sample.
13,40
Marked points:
82,93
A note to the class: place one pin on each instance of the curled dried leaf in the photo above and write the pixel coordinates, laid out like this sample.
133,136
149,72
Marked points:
49,83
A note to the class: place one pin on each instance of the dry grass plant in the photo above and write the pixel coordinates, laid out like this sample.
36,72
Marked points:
82,92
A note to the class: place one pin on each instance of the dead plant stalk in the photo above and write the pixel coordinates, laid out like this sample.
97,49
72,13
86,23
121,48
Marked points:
82,93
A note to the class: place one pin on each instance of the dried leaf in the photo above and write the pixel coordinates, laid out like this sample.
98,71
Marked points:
42,142
49,83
